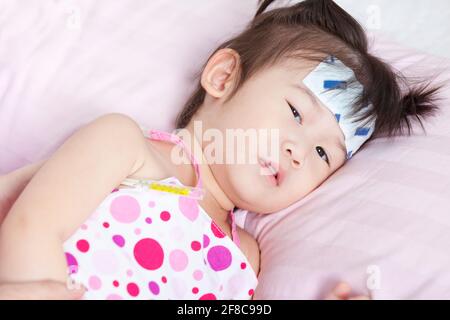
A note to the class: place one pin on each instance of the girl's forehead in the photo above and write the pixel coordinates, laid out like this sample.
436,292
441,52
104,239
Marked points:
298,67
288,72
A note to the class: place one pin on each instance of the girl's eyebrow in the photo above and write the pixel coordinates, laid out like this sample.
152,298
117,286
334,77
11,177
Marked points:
314,101
311,95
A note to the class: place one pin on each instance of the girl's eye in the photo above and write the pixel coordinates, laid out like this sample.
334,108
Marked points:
295,113
320,150
322,153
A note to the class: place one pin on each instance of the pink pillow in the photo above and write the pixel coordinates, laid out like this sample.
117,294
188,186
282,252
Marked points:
380,222
64,63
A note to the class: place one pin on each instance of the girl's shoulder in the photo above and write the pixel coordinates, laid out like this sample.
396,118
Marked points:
158,163
153,165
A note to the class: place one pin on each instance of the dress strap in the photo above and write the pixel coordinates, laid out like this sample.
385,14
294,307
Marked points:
170,137
234,232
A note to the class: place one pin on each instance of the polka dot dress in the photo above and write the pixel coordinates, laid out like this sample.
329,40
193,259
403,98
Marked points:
147,244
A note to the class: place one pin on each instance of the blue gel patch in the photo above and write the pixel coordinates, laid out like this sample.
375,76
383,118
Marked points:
334,84
362,132
338,117
330,59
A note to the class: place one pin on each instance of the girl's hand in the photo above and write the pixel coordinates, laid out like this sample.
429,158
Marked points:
42,290
342,292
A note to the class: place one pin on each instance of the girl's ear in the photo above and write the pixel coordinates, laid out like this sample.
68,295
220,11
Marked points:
219,76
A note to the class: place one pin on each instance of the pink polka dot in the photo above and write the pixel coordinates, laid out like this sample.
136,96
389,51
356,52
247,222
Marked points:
114,297
72,263
251,292
243,265
115,283
106,225
205,241
83,245
164,279
198,275
151,204
125,209
148,220
165,216
216,230
208,296
219,258
195,245
195,290
94,283
188,207
178,260
119,240
133,289
149,254
154,288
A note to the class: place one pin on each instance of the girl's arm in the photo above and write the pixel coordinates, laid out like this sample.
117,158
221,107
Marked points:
62,195
13,183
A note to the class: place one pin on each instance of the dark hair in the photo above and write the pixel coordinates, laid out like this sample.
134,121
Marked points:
314,30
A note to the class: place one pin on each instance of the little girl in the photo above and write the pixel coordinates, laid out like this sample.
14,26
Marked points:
136,213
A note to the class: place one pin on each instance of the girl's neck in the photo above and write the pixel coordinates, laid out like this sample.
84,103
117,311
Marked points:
215,202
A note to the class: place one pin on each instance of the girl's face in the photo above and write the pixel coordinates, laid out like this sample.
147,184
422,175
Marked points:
310,142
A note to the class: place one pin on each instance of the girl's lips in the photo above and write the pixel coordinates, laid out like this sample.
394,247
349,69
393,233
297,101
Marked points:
272,171
272,180
280,175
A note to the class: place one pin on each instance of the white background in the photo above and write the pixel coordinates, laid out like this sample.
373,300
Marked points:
420,24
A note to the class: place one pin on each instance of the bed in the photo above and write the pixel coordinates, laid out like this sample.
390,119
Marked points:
381,223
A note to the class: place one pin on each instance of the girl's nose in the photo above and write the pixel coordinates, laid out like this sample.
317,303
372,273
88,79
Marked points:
294,158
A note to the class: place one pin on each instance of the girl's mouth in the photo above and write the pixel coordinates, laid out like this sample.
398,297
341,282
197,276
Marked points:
272,171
